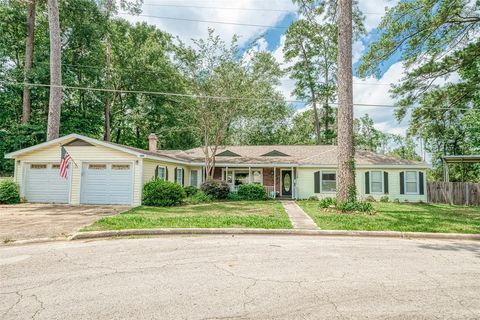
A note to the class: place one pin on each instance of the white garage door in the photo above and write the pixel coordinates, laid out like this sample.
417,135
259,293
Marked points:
107,183
43,183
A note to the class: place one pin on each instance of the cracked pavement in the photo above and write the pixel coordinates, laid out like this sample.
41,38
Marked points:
241,277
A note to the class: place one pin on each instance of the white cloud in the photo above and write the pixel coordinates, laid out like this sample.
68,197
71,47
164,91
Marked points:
374,11
357,50
186,30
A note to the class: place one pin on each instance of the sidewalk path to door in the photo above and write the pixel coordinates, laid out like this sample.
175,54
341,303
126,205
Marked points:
298,217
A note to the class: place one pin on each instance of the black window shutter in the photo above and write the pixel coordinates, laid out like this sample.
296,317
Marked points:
367,182
156,172
166,173
402,182
183,177
420,183
316,176
385,182
175,175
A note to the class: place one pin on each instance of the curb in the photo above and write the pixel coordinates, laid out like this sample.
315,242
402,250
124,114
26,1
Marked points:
32,241
293,232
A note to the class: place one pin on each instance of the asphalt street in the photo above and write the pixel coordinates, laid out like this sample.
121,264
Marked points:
241,277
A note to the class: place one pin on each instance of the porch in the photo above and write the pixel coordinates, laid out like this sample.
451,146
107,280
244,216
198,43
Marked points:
279,182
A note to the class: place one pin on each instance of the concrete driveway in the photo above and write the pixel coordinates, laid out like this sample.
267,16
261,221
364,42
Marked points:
31,221
241,277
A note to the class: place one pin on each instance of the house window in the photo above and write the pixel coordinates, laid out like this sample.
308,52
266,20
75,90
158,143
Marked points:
56,166
194,178
376,181
329,182
411,181
160,173
97,167
38,166
120,167
257,176
179,175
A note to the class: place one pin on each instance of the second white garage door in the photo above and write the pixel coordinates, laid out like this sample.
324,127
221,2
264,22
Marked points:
107,183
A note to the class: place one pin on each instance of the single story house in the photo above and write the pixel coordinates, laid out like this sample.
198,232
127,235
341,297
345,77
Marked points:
108,173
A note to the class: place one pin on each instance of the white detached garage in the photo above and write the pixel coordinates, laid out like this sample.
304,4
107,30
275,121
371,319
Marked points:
100,172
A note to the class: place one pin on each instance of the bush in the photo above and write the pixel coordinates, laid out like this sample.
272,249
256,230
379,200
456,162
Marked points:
369,199
384,199
252,191
396,200
327,202
191,190
216,189
161,193
313,198
233,196
198,197
9,192
355,206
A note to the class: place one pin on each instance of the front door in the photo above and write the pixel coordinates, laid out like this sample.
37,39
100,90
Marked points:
287,183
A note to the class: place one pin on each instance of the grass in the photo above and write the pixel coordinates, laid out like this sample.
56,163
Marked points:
414,217
234,214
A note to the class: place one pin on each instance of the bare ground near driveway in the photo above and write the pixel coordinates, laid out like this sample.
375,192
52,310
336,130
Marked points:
32,221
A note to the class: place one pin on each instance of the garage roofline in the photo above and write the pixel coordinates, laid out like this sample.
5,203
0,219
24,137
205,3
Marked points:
13,155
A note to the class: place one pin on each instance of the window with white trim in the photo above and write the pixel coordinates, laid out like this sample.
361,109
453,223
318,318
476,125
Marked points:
194,178
376,181
257,176
161,173
179,179
329,181
411,181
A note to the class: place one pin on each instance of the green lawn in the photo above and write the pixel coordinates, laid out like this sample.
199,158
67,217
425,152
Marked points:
245,214
399,217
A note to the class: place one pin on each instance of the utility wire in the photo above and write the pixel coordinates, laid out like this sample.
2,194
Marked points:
234,8
187,95
143,70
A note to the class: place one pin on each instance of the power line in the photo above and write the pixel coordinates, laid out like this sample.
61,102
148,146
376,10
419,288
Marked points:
78,66
187,95
206,21
235,8
216,8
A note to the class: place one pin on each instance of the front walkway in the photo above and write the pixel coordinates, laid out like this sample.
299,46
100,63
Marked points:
298,217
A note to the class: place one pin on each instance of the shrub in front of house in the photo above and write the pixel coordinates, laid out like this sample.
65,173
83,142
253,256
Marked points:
216,189
161,193
198,198
191,190
252,191
370,199
355,206
9,192
384,199
327,202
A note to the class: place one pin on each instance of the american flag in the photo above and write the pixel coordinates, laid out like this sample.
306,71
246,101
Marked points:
65,159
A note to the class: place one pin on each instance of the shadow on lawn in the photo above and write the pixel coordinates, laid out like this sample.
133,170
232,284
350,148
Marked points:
457,246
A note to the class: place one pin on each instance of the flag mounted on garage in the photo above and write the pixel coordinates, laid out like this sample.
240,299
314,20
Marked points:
65,159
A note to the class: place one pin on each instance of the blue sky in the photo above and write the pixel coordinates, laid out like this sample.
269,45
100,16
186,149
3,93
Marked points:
366,91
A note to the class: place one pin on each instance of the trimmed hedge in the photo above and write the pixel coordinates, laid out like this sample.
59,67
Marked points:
161,193
216,189
252,191
9,192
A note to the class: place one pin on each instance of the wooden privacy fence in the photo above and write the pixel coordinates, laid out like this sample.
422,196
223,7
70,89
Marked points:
463,193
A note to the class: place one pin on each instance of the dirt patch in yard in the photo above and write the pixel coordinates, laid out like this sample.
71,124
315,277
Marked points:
31,221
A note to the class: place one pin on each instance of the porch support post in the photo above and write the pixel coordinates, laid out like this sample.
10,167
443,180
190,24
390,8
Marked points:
293,184
274,182
249,174
226,174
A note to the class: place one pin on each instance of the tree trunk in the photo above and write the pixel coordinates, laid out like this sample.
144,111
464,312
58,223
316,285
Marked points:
53,126
106,125
346,169
26,106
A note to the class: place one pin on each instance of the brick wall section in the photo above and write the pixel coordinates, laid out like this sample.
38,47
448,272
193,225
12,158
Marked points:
268,178
217,174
